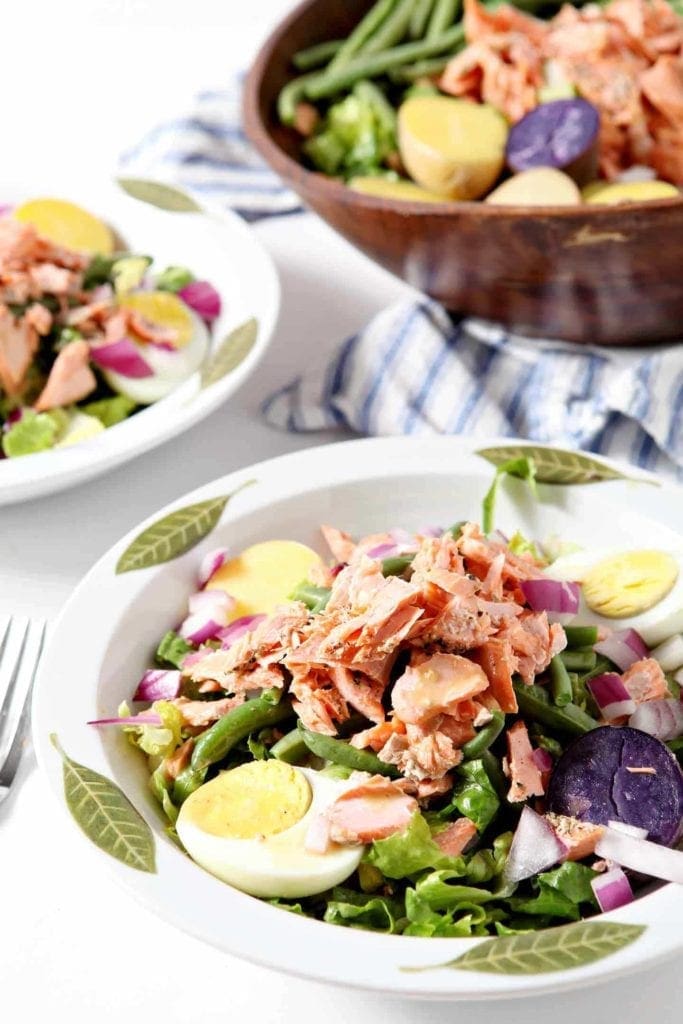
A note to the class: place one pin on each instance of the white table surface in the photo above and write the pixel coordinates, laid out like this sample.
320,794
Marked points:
72,945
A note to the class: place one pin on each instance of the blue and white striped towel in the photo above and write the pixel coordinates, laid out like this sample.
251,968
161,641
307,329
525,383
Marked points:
414,369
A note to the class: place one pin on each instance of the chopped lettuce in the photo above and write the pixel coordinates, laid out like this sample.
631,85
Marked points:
34,432
474,795
458,922
362,910
158,741
172,279
128,273
408,852
110,411
172,650
573,880
519,545
161,787
357,134
559,893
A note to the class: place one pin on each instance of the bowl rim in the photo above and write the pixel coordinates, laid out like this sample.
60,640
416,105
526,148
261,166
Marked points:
385,957
331,190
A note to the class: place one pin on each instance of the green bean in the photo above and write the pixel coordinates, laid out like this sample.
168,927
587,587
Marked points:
443,15
365,28
392,30
214,744
185,784
372,95
535,703
291,748
581,636
291,95
419,19
317,55
421,69
560,683
397,565
495,773
579,660
485,737
315,598
334,80
339,752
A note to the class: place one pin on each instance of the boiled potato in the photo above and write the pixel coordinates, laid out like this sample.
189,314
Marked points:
539,186
451,147
628,191
383,188
264,575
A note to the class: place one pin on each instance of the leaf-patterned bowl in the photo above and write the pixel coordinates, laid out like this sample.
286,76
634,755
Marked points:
218,246
109,629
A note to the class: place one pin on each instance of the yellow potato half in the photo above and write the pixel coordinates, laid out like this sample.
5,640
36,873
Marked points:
67,224
453,148
539,186
264,575
407,191
629,191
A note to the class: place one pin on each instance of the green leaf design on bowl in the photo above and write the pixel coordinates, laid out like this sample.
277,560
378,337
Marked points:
175,534
556,949
156,193
557,465
232,351
106,815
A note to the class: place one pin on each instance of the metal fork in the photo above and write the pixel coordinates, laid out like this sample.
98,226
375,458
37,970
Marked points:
21,645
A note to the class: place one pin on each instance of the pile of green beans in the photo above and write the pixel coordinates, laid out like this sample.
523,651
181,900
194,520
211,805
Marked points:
405,39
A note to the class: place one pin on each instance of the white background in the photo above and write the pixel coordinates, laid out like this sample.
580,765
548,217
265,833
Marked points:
79,81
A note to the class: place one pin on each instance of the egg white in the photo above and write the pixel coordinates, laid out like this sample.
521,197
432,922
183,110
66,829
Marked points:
277,865
170,368
654,625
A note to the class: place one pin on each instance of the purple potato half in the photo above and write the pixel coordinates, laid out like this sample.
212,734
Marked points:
600,778
562,134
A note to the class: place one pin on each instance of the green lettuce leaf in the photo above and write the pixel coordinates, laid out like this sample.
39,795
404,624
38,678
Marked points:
161,787
293,908
172,279
158,741
427,922
443,890
171,651
360,910
473,794
410,851
519,545
110,411
560,893
572,880
34,432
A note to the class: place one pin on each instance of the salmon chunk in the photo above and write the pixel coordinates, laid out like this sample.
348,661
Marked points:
525,777
70,378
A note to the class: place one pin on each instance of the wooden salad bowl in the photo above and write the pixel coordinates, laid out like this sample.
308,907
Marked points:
606,275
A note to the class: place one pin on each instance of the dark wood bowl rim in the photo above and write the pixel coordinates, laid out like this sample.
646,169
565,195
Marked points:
334,190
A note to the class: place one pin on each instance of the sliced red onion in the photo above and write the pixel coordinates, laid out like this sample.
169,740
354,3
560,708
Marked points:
238,628
385,550
214,604
611,696
641,855
336,569
542,759
198,629
612,890
662,719
535,847
669,654
403,537
5,208
203,298
431,531
210,564
158,684
195,656
558,598
628,830
499,537
122,357
13,416
102,293
624,647
144,719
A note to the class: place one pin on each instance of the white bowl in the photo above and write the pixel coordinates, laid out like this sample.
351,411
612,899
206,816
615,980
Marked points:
108,630
217,246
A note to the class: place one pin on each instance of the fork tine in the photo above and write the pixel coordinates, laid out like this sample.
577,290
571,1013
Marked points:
10,663
19,694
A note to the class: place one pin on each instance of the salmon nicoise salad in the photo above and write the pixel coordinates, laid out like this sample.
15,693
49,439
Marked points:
89,333
432,732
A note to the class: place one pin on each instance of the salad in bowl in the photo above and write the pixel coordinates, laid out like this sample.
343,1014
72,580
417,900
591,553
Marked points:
90,332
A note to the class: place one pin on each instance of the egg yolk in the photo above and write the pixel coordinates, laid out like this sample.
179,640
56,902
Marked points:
629,584
264,575
261,798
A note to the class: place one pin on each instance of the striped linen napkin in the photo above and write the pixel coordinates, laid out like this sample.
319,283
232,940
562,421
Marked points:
414,369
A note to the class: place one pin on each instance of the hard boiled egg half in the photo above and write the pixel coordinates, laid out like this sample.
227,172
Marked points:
641,589
169,366
248,827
